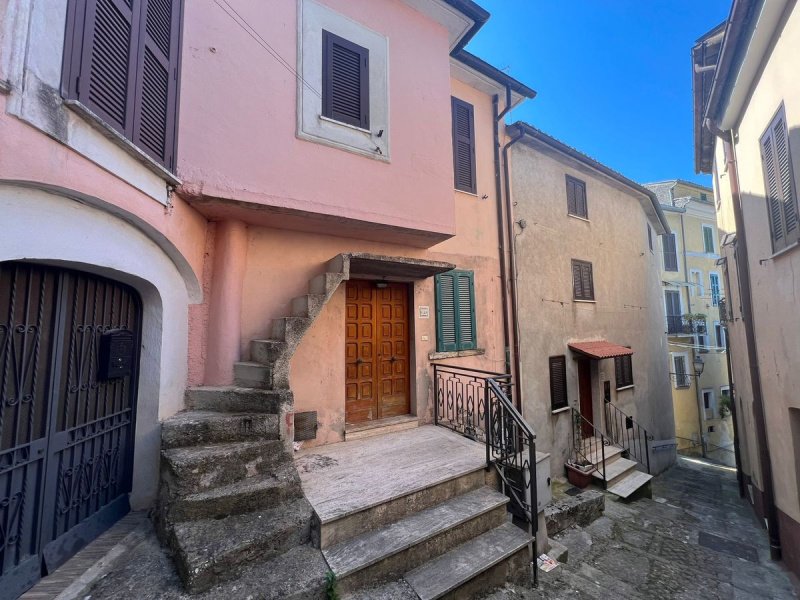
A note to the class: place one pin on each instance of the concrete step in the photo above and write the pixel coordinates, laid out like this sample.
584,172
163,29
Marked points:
266,351
200,428
324,283
362,519
387,553
615,470
197,468
233,399
380,427
611,453
253,375
632,482
290,329
261,492
213,550
308,305
475,567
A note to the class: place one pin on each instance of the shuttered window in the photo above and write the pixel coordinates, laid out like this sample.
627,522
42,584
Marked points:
779,184
708,239
650,237
558,382
576,198
681,374
670,252
121,61
582,280
345,81
464,146
623,369
455,311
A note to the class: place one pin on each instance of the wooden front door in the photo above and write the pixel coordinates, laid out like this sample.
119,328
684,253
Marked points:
585,391
376,351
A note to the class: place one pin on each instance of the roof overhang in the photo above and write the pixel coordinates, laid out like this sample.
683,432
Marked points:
360,265
461,18
599,349
647,199
479,74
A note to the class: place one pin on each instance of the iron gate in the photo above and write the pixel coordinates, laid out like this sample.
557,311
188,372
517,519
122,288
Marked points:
66,429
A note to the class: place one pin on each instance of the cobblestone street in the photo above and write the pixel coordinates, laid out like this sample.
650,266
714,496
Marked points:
695,539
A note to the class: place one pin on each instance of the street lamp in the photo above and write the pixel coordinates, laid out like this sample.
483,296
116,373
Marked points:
699,365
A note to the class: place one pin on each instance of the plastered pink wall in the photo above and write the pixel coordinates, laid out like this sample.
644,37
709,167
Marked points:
238,118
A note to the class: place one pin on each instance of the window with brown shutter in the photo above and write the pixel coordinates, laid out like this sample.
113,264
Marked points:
345,81
576,198
582,280
464,146
558,382
623,369
779,184
121,61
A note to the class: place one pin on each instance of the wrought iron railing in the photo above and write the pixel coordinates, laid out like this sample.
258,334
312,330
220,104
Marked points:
476,404
625,432
680,324
588,445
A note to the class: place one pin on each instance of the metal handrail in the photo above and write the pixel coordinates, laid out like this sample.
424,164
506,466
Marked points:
627,433
585,445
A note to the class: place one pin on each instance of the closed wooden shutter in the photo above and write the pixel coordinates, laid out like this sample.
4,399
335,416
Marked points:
455,311
670,252
572,205
576,197
623,370
779,184
582,280
345,81
464,146
121,61
649,236
558,382
708,239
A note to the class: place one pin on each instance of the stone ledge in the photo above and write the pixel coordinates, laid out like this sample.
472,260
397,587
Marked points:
456,354
580,510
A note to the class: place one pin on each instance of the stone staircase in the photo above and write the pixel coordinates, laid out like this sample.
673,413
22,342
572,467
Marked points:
230,493
622,478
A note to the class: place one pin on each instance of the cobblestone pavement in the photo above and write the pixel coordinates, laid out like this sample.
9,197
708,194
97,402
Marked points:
696,539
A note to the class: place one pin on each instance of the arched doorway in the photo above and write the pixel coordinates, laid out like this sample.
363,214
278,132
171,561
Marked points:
69,356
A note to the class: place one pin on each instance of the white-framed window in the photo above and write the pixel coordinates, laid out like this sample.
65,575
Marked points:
696,280
719,336
673,308
709,244
709,403
317,120
680,370
716,291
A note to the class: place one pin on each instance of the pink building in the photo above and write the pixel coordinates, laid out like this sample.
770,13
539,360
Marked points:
230,230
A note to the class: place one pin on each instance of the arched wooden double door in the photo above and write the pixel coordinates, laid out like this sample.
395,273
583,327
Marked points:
69,353
376,351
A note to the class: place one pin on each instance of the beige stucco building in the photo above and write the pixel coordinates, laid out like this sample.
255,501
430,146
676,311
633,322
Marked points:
584,274
747,134
692,289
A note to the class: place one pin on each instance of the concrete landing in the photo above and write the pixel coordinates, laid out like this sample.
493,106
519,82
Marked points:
346,478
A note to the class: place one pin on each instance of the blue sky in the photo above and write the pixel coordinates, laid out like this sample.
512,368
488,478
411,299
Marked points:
613,76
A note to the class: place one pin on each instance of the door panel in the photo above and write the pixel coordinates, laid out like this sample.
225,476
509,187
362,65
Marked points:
376,351
67,447
585,391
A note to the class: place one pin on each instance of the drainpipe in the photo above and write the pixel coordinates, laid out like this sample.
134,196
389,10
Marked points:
732,391
498,116
743,268
513,265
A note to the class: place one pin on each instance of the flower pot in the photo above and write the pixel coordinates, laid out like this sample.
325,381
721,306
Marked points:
578,477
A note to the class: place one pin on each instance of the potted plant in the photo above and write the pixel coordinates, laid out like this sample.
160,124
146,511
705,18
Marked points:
579,472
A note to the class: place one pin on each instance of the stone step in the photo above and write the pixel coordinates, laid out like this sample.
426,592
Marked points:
475,567
352,523
253,375
200,428
611,453
266,351
387,553
290,329
324,283
261,492
209,551
308,305
630,484
615,470
197,468
380,427
233,399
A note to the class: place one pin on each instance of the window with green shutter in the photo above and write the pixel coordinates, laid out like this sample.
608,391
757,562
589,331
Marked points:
708,239
455,311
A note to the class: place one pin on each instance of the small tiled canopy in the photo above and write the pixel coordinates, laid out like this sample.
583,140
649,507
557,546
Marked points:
600,349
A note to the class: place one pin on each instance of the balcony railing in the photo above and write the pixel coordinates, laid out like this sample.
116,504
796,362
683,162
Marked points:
680,325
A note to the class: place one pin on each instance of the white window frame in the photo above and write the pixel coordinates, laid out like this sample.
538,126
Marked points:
711,287
688,375
713,239
711,411
313,17
696,289
719,338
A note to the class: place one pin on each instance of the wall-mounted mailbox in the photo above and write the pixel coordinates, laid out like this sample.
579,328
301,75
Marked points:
117,354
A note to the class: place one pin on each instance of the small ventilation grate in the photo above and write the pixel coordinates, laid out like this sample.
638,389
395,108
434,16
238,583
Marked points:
305,426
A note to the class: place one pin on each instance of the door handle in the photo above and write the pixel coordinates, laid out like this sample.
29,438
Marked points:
359,361
394,358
